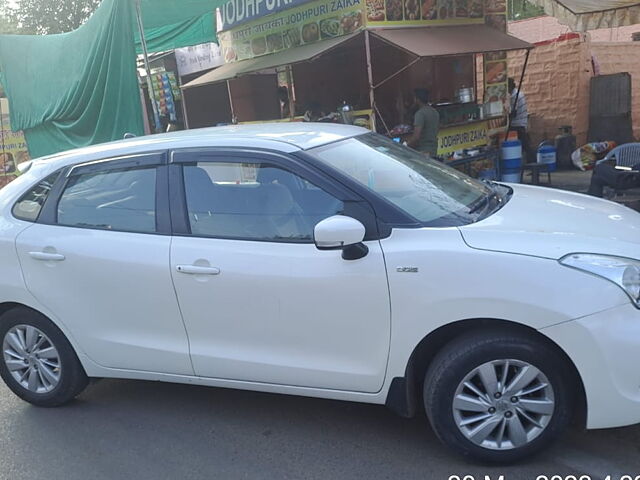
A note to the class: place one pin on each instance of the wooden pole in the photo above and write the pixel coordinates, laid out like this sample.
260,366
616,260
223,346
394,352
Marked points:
145,54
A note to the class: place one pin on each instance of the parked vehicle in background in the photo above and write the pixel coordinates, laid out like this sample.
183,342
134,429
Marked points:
325,261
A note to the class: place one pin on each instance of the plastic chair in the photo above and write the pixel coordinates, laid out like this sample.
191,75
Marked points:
628,156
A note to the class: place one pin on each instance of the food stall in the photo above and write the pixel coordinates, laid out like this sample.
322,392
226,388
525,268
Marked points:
317,58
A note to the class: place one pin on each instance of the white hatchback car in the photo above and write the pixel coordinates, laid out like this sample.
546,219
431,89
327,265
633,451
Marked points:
324,261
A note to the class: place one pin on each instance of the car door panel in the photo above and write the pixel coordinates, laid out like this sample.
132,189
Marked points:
110,286
275,310
284,313
113,290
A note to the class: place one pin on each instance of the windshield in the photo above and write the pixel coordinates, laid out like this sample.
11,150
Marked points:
427,190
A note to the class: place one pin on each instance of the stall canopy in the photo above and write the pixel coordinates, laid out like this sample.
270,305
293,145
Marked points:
287,57
445,41
583,15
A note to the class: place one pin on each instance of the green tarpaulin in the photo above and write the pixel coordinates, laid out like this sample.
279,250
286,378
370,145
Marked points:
80,88
171,24
158,13
77,88
197,30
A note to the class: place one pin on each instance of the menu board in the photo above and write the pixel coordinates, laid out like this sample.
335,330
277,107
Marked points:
496,14
496,66
310,23
424,12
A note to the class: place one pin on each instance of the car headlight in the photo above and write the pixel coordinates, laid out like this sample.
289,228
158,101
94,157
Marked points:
624,272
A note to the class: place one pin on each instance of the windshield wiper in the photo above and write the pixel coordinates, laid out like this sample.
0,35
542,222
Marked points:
484,202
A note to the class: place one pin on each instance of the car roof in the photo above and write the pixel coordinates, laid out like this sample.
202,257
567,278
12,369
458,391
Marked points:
285,137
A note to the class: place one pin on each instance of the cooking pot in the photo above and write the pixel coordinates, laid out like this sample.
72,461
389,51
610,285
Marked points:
465,95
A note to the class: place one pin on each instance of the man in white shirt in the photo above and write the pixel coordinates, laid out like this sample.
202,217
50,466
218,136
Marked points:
520,119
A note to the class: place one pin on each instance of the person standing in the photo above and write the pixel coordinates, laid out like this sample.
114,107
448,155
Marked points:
426,124
520,118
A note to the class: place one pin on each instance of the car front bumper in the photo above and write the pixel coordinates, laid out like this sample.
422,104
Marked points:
605,348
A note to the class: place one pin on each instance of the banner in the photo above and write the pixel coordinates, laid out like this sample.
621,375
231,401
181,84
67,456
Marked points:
310,23
197,58
236,12
453,139
424,12
13,148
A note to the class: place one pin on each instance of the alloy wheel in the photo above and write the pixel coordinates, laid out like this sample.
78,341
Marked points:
32,359
503,404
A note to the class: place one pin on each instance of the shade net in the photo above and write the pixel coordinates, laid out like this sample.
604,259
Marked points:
584,15
80,88
74,89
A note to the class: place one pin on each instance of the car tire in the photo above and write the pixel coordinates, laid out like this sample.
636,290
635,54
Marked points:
502,419
37,362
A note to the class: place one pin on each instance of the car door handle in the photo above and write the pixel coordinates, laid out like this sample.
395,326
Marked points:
47,257
196,270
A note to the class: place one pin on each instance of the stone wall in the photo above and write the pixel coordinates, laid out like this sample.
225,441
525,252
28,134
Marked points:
618,58
556,87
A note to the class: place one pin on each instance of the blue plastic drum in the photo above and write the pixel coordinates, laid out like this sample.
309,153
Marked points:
511,163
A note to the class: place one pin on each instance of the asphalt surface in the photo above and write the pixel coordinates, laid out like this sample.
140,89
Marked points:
146,430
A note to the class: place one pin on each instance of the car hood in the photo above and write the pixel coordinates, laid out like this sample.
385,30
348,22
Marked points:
549,223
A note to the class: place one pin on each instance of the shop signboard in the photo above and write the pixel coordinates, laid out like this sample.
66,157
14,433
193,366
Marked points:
457,138
198,58
424,12
309,23
13,147
237,12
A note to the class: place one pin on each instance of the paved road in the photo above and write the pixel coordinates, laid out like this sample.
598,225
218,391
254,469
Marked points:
144,430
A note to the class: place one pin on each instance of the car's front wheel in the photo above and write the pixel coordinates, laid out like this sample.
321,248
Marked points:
37,361
498,397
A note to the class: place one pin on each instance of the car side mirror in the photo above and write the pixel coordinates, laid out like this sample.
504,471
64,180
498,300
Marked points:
341,233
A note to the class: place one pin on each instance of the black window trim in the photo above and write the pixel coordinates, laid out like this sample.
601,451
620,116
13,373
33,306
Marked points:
177,195
153,159
59,173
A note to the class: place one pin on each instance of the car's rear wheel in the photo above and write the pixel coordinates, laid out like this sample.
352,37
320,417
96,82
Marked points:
38,363
498,397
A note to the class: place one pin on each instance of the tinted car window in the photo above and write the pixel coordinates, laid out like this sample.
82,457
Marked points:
29,206
254,201
112,200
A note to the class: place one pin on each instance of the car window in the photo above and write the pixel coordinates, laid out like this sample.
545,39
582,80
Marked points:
123,200
254,201
427,190
29,206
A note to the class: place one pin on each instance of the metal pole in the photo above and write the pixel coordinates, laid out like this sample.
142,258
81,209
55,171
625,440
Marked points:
234,119
2,130
372,99
291,93
184,104
515,104
145,54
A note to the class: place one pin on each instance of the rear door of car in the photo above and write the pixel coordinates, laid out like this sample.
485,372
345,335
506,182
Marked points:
98,258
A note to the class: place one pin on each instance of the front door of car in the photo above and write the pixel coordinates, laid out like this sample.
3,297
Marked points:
261,303
98,259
